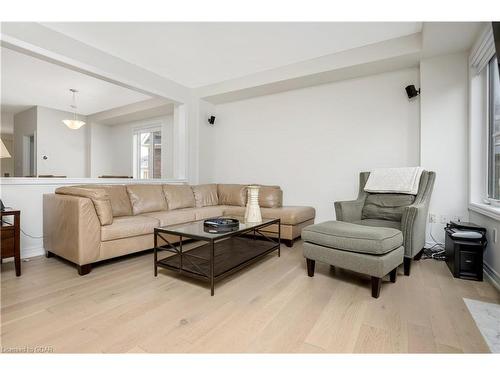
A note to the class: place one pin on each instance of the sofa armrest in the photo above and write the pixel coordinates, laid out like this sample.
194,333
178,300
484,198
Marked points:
349,210
413,225
71,228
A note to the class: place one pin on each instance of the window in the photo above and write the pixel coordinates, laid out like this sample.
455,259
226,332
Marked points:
147,153
493,130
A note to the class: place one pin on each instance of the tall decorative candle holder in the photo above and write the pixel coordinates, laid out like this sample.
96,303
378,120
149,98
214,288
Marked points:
252,212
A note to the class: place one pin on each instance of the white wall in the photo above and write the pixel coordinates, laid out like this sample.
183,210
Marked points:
492,252
111,147
6,123
206,141
24,125
315,141
66,149
101,152
444,119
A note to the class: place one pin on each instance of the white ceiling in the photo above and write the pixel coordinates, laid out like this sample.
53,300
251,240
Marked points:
198,54
448,37
28,81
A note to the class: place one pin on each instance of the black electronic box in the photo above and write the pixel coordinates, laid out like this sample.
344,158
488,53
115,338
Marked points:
464,246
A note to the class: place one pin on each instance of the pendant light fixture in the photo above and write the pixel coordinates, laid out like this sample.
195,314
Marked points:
73,123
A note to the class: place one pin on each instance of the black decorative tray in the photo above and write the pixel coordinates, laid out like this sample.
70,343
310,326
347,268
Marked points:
221,225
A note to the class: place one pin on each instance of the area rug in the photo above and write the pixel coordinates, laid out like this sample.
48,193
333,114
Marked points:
487,318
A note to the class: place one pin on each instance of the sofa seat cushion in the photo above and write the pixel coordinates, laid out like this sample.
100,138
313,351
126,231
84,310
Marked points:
232,194
208,212
128,226
379,223
289,215
233,211
179,196
183,215
353,237
147,198
386,206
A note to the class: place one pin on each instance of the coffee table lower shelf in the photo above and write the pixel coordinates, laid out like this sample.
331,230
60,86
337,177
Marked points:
221,255
229,256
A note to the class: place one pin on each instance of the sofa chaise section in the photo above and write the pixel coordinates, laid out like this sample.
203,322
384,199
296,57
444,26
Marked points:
86,224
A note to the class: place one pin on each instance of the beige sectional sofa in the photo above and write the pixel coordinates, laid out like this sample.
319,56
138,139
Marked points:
89,223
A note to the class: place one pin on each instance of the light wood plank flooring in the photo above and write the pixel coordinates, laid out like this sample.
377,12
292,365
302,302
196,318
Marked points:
270,307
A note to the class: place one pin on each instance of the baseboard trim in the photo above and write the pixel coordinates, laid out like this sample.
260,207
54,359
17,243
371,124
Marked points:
492,276
32,252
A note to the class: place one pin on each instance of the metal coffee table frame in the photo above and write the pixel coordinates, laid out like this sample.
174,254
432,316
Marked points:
238,250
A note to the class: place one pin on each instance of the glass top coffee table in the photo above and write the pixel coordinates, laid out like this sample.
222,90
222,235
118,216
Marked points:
222,253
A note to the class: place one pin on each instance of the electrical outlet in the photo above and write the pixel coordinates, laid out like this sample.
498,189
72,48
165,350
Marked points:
432,218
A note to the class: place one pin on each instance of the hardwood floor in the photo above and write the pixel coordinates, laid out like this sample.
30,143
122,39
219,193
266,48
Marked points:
272,306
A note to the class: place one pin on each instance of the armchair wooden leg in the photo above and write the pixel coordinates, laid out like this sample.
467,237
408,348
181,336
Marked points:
288,243
376,283
393,274
84,269
310,267
419,255
407,266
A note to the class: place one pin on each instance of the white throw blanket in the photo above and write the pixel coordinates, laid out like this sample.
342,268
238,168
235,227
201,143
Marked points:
394,180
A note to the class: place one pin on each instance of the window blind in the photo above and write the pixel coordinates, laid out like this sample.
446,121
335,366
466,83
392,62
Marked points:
482,51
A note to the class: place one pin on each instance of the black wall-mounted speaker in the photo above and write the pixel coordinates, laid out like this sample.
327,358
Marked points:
411,91
211,120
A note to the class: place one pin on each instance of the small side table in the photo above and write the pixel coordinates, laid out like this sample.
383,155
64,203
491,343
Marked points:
10,238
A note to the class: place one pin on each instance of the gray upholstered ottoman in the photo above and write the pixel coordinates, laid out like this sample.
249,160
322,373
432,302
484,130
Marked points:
375,251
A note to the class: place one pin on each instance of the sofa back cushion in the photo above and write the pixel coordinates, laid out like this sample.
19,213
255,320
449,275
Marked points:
205,195
146,198
120,201
98,196
232,194
270,196
178,196
386,206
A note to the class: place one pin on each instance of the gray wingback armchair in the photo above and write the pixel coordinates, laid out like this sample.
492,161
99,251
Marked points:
405,212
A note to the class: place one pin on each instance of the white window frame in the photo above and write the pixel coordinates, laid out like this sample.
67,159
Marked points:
136,147
481,54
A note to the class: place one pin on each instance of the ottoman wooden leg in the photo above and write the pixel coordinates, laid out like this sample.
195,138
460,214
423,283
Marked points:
393,275
310,267
376,283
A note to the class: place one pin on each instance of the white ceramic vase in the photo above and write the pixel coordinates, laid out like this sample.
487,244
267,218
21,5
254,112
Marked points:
252,212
